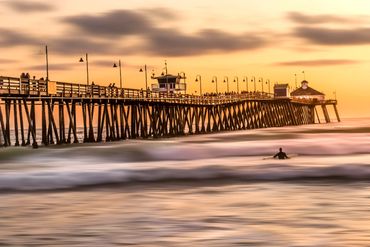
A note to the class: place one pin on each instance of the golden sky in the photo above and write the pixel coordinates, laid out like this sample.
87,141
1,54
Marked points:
269,39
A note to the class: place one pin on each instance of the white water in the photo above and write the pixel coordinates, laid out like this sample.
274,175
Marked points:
338,150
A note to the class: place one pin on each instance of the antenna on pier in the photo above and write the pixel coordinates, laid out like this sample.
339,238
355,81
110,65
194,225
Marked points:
165,66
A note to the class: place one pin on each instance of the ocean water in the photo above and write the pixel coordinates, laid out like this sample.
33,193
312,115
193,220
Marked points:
207,190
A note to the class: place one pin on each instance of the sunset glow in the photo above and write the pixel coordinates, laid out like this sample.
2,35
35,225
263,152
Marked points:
270,39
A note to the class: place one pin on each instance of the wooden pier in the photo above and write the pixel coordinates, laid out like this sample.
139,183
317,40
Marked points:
35,112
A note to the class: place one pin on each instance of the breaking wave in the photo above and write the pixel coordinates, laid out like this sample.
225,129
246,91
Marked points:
320,152
212,170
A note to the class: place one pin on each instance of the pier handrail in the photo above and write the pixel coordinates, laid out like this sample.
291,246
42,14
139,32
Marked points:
315,101
31,87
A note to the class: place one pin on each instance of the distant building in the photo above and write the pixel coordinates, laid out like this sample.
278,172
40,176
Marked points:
169,84
281,91
306,92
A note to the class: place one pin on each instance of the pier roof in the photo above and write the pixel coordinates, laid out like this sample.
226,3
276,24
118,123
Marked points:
169,76
305,91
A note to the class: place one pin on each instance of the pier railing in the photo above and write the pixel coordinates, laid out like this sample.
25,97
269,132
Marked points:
24,87
316,101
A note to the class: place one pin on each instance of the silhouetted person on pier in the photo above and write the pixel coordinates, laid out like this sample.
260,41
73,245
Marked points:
281,155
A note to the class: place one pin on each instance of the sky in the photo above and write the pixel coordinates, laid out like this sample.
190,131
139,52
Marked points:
273,40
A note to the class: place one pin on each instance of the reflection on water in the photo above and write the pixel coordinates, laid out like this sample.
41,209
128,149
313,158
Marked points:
262,214
209,190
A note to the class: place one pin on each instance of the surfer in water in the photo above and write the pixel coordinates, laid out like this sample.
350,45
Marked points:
281,155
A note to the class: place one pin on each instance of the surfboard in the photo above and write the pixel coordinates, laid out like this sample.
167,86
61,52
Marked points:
272,157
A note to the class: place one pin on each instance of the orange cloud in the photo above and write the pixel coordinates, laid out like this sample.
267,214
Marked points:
330,36
28,7
161,41
321,19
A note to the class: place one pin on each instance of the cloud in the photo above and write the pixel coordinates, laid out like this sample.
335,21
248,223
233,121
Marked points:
81,45
170,42
52,66
320,62
121,22
313,29
156,40
73,45
5,61
114,23
105,34
28,7
11,38
108,63
161,14
320,19
327,36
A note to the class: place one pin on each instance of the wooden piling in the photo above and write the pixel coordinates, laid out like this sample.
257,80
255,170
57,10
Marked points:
15,123
44,139
3,130
336,112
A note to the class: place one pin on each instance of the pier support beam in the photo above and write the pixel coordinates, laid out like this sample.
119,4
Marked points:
119,119
336,112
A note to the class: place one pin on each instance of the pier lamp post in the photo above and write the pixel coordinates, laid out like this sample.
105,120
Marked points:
146,76
214,80
47,63
236,79
226,80
254,80
87,66
261,80
268,82
120,72
246,82
199,78
295,79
